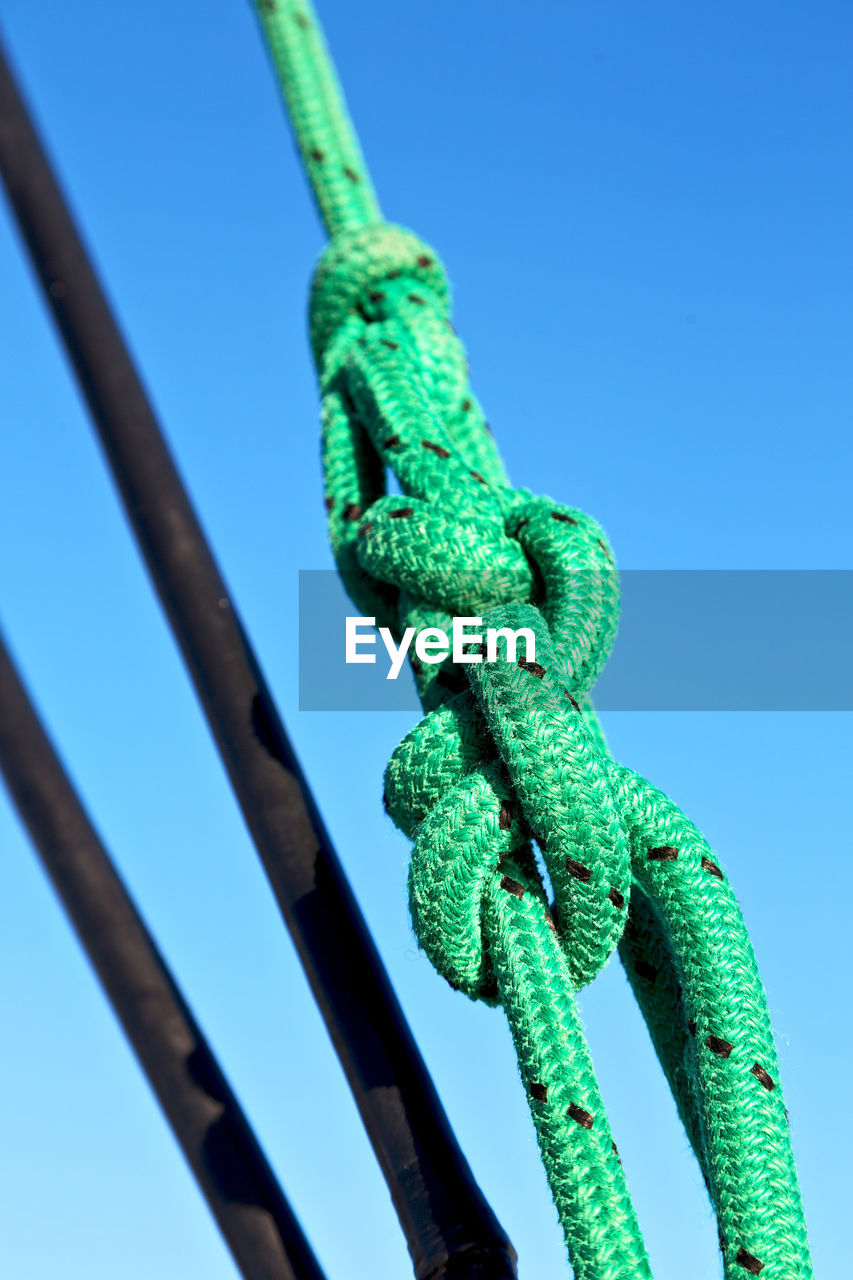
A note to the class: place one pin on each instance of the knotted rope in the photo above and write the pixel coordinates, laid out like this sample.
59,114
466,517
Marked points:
511,751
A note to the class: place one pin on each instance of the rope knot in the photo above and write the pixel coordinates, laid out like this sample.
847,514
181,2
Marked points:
358,270
513,760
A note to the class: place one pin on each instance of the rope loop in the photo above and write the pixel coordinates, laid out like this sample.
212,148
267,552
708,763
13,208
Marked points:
563,787
580,585
478,777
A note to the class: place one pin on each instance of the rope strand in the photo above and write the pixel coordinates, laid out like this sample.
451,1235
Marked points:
325,137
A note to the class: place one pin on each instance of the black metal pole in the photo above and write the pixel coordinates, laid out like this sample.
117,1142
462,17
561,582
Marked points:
449,1226
229,1166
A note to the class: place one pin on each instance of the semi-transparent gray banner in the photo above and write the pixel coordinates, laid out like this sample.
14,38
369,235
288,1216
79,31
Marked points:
688,640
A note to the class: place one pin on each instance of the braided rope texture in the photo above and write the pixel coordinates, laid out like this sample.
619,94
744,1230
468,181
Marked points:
510,753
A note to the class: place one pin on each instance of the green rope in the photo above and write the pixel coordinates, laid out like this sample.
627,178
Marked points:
511,752
328,146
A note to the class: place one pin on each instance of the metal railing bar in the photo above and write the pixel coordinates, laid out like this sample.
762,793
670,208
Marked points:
226,1160
449,1227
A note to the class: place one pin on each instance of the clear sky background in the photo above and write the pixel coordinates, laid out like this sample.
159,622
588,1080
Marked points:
645,209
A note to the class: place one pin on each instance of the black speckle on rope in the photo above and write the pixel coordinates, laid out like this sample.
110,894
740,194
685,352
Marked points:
424,260
505,818
616,1152
352,175
330,502
691,1026
533,667
578,870
401,513
477,476
749,1263
558,515
581,1117
572,700
549,920
318,155
719,1046
645,970
299,18
352,511
392,346
391,442
512,886
437,449
416,297
708,865
466,406
376,297
665,853
605,549
539,1091
617,898
762,1076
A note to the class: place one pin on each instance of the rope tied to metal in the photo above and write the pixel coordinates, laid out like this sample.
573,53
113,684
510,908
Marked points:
510,752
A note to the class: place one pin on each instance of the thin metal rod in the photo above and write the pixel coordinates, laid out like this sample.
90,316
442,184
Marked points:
229,1166
449,1226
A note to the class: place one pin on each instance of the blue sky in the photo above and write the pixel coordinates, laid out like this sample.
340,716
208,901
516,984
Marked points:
645,211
